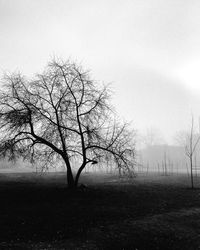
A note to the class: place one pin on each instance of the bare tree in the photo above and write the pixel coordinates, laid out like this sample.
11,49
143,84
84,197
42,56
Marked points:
190,148
190,140
62,115
152,137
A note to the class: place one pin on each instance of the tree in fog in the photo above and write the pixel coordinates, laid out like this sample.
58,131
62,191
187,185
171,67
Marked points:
190,141
62,114
152,137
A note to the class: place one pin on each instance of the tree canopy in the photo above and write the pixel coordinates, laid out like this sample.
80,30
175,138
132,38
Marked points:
63,115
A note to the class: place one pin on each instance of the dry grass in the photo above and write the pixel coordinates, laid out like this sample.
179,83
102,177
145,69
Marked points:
152,212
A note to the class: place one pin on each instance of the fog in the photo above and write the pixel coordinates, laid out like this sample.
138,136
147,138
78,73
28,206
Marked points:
73,175
148,50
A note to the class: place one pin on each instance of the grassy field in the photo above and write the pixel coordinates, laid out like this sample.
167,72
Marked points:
151,212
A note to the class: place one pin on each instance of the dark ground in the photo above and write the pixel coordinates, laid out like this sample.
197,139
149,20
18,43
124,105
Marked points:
37,212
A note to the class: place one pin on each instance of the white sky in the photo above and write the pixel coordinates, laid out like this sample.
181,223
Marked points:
148,49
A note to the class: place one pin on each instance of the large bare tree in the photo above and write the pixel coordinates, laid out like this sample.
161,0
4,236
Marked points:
62,114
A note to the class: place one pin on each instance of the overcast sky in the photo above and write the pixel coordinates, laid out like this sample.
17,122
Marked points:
148,49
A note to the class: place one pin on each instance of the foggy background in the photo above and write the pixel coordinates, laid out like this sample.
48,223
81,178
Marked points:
149,50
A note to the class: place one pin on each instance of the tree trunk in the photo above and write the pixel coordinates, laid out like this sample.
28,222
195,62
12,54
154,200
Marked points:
79,173
70,177
191,172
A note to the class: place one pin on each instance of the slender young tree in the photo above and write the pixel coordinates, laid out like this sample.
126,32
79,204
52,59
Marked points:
190,148
63,115
190,140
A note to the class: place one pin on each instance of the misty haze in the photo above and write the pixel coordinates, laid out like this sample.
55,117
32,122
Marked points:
100,124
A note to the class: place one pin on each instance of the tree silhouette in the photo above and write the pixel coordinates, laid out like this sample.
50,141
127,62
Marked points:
62,114
190,140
